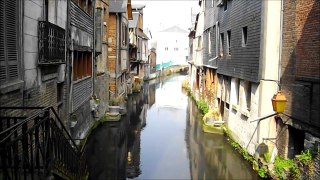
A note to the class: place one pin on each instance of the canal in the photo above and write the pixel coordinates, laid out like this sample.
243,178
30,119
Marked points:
161,138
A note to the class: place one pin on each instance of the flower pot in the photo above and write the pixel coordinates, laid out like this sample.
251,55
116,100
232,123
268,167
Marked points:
114,110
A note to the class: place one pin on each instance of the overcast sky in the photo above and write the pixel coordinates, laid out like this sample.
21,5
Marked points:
159,14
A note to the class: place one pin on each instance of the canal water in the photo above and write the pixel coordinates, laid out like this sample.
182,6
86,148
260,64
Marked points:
161,138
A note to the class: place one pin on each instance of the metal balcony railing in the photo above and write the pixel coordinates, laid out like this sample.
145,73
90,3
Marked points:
37,146
51,44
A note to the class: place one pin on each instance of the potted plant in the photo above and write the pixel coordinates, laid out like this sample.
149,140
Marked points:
115,103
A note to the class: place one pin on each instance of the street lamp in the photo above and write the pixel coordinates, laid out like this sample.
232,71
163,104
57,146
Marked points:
279,102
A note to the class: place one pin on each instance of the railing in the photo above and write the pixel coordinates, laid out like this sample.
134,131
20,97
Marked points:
51,44
38,146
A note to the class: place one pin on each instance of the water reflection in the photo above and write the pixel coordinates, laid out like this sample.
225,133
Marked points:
107,151
161,138
211,157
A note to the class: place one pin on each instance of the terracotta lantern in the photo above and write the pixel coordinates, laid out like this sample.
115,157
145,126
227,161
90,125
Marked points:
279,102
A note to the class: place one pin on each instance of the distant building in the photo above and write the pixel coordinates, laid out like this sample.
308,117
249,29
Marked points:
172,47
150,71
138,42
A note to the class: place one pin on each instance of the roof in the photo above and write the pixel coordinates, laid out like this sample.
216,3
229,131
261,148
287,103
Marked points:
174,29
133,23
138,6
119,6
142,34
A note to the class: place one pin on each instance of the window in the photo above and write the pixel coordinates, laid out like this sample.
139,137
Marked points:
86,5
209,42
9,34
221,44
82,65
229,42
199,42
248,95
166,48
59,92
124,34
244,36
237,90
176,49
225,5
216,28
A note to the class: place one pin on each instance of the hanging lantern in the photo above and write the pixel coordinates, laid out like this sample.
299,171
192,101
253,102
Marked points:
279,102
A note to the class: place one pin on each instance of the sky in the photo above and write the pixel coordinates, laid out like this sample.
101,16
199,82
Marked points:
161,14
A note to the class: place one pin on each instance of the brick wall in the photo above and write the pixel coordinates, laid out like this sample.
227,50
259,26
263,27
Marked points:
300,71
46,95
43,95
307,35
112,34
112,52
12,99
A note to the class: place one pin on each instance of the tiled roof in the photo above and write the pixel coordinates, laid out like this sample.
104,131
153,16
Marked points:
119,6
133,23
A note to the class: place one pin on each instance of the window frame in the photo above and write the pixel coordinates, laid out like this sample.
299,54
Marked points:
209,42
11,68
82,65
221,45
248,95
225,5
229,42
85,5
244,40
199,43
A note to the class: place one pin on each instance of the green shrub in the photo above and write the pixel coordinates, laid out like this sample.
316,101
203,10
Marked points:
203,106
283,168
262,172
304,157
267,156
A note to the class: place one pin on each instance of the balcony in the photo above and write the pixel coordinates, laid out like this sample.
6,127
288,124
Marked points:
51,44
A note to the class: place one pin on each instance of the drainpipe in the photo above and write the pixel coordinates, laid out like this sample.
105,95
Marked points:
22,75
93,59
128,60
118,20
68,70
280,46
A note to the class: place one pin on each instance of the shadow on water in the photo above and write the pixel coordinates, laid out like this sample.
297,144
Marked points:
161,138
